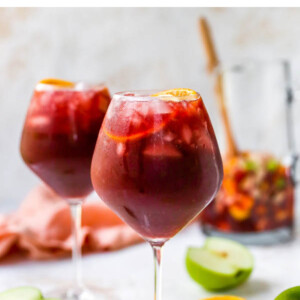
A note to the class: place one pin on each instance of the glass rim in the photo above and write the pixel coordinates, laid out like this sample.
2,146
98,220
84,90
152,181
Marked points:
146,95
79,86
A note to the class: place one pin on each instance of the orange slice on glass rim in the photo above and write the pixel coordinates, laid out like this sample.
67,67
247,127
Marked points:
56,83
177,95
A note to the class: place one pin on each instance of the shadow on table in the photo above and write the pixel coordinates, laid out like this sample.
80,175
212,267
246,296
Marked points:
252,288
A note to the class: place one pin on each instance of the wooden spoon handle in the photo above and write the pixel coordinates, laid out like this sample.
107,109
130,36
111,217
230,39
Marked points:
212,64
211,54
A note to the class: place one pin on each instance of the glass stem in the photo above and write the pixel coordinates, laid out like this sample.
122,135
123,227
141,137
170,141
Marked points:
157,251
76,210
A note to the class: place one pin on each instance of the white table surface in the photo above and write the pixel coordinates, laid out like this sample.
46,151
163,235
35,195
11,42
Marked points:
128,274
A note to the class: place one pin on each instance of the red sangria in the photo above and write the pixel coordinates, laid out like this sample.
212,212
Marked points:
60,133
257,195
156,162
58,140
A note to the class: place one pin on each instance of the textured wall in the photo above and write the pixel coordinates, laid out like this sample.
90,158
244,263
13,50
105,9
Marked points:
136,48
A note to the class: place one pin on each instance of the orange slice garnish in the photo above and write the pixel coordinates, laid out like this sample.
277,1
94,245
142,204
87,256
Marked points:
140,132
177,94
135,136
225,298
142,119
58,83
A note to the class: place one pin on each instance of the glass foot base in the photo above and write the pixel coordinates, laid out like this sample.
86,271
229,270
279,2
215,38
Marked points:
265,238
80,294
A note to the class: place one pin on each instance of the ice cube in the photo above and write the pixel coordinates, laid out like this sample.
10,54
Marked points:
169,136
203,139
113,109
109,114
39,121
82,86
136,120
161,107
186,134
43,87
160,150
142,109
153,108
121,149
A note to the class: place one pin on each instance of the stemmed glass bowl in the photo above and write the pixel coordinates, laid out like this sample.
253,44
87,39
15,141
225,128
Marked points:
58,140
157,163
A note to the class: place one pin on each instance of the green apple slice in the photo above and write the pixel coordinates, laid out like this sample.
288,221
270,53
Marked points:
220,264
21,293
290,294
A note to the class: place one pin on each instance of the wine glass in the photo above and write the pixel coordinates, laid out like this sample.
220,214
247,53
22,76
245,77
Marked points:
57,144
157,163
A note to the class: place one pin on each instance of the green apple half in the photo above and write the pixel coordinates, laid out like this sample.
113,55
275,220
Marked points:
21,293
220,264
290,294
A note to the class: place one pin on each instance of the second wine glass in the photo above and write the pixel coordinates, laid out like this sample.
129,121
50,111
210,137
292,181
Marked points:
57,144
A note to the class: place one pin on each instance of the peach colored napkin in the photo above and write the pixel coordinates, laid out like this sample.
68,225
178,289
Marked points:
41,228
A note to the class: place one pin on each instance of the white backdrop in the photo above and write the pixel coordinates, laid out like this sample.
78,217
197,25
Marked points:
128,48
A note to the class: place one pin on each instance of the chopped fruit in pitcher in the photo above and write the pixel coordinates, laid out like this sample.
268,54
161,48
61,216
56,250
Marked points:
241,208
256,195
